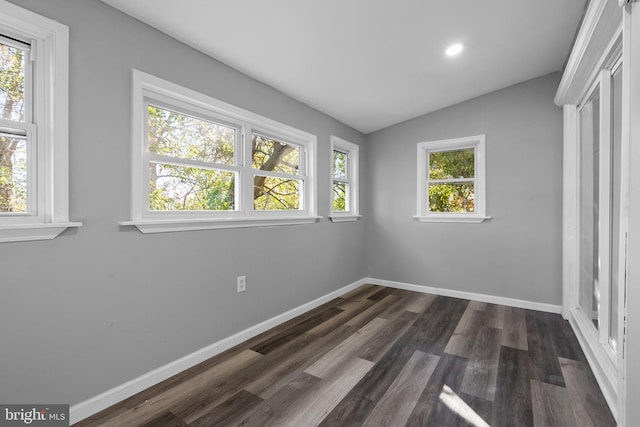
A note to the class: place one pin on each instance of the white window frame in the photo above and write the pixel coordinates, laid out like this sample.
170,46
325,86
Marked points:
352,212
145,88
476,142
47,126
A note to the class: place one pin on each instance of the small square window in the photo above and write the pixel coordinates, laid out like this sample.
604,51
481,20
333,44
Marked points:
451,184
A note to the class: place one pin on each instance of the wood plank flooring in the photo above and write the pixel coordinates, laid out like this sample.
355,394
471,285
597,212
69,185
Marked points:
385,357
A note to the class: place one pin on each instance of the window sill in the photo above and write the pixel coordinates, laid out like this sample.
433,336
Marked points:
172,225
344,218
468,219
27,232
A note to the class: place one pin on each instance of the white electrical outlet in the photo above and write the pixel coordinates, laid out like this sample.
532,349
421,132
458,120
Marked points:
242,283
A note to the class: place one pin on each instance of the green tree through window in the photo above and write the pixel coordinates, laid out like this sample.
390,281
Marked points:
176,185
13,142
179,187
446,193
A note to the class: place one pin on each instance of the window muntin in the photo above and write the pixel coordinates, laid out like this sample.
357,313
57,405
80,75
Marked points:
451,185
344,180
195,158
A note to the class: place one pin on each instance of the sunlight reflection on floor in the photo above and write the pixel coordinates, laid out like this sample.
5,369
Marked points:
459,406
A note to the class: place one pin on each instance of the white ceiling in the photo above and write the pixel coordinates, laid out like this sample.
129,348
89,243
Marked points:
374,63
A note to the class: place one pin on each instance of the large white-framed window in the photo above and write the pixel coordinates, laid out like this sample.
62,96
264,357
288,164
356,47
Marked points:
451,180
200,163
344,180
34,86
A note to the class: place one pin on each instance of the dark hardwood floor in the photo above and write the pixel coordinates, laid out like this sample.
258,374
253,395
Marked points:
385,357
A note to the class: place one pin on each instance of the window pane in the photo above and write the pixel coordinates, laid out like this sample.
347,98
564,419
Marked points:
339,165
11,83
340,197
186,137
182,188
453,197
452,164
275,156
271,193
616,167
13,174
590,207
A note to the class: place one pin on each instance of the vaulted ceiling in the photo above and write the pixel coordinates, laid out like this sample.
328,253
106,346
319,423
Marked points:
374,63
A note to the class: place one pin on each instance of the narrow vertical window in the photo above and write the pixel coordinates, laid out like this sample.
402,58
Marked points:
344,180
340,181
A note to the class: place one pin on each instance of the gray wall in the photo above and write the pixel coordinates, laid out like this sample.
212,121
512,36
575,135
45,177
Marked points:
517,254
101,305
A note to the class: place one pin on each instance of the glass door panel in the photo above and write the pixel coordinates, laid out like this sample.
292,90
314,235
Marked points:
589,292
616,165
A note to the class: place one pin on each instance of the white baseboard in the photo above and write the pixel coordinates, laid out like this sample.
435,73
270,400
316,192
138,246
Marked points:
102,401
511,302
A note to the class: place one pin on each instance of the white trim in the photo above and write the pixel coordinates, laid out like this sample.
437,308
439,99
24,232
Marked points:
570,244
50,45
110,397
475,219
589,24
600,23
28,232
334,217
605,31
511,302
628,290
179,224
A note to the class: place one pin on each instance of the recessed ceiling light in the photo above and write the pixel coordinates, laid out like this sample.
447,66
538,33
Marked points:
454,49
